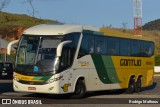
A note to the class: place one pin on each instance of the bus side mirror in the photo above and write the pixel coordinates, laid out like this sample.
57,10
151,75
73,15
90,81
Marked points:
59,53
10,46
60,46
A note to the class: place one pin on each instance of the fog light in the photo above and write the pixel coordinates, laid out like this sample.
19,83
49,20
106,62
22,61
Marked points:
50,81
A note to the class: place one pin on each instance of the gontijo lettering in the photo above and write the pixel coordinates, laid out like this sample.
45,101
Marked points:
130,62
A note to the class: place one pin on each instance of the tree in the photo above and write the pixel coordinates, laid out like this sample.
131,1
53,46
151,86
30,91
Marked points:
3,4
33,9
124,24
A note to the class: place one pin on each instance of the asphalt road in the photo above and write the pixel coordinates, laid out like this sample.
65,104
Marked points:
150,94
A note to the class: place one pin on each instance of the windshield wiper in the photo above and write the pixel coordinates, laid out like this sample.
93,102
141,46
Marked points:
36,56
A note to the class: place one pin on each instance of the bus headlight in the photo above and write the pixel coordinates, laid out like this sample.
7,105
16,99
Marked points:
50,80
55,79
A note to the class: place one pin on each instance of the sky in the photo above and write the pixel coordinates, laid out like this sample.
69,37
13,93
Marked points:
87,12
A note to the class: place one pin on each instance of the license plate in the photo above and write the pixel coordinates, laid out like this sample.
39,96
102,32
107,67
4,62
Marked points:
31,88
4,74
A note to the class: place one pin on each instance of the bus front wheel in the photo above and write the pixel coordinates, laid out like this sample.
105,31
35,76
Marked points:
80,90
131,86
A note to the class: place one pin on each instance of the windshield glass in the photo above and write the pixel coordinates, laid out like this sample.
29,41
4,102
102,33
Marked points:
33,50
36,54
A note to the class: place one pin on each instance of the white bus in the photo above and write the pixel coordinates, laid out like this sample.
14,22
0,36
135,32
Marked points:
61,59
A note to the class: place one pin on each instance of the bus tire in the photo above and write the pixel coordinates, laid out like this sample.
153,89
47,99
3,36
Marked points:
138,85
80,90
131,86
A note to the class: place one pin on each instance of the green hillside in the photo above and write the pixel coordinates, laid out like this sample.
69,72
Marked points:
152,25
11,22
8,19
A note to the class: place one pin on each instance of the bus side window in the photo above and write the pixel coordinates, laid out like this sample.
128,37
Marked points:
135,48
100,46
150,48
91,44
65,58
69,49
125,47
84,47
144,49
113,46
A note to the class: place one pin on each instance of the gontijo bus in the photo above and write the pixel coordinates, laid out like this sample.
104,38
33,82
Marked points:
61,59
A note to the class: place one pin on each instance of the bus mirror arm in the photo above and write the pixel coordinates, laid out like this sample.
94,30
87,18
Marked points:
60,46
10,45
59,52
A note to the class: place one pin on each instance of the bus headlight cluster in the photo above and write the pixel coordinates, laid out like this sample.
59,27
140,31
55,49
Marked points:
55,79
51,80
15,78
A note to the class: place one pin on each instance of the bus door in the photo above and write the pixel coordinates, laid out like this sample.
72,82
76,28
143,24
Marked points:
65,67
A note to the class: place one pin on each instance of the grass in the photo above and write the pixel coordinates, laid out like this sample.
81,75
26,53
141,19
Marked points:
7,19
115,32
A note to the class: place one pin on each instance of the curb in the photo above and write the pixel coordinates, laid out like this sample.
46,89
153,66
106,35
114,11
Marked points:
14,94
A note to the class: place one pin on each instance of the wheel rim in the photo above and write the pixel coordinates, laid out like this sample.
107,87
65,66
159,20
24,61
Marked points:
132,88
138,86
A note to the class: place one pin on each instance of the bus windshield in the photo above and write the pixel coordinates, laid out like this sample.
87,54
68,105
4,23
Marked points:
34,49
39,51
36,54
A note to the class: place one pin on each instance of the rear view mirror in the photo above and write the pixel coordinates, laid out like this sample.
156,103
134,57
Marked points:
60,46
9,47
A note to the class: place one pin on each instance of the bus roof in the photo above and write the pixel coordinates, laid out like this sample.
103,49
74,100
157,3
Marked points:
59,29
62,29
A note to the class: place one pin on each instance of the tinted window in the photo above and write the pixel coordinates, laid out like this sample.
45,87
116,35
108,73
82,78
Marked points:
100,45
69,50
74,37
135,48
84,46
125,47
113,46
87,45
151,49
147,48
91,43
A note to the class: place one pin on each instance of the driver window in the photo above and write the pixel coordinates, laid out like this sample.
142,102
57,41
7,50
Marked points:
87,45
65,58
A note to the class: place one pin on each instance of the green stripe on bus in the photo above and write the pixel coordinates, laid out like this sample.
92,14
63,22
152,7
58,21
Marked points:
42,78
45,78
105,69
37,77
100,68
111,71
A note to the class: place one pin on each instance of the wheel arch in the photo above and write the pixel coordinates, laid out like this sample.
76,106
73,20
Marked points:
139,76
78,78
132,76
